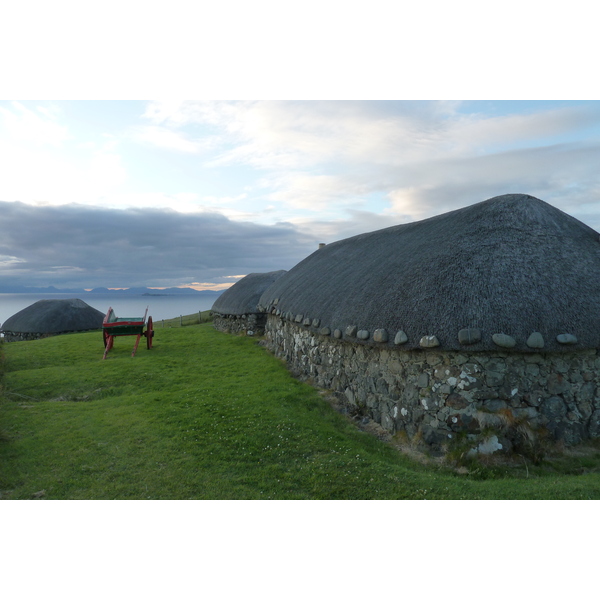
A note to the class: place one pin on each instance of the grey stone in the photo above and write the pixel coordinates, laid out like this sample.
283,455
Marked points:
557,384
553,408
380,335
325,331
337,334
594,426
350,396
497,364
586,409
316,322
537,359
351,330
566,338
381,386
535,340
587,392
434,359
534,398
532,370
494,378
570,433
433,436
299,318
306,322
401,338
503,340
423,380
469,336
494,405
363,334
460,421
489,445
456,401
429,341
525,413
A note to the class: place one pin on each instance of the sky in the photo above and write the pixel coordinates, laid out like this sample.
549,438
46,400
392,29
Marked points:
200,193
306,124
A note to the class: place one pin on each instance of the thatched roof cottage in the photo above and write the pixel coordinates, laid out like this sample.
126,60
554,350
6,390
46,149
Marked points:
51,317
236,309
430,327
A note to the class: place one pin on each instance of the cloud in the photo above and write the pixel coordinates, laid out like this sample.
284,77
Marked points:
547,172
356,222
38,127
80,246
424,157
308,191
10,260
33,176
43,163
298,135
167,139
254,186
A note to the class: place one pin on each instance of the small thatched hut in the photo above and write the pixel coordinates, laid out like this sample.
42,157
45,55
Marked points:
51,317
236,310
431,327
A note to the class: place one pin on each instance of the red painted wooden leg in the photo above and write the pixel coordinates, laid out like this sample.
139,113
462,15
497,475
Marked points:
109,344
137,341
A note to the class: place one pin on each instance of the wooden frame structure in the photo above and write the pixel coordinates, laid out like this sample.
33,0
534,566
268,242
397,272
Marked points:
113,327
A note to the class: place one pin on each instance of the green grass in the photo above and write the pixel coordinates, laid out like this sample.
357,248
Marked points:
184,320
206,415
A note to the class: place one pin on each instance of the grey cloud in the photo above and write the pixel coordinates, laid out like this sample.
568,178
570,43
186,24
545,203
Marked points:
564,174
80,246
359,221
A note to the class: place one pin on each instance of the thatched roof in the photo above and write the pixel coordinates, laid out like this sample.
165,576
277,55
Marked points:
54,316
511,265
242,297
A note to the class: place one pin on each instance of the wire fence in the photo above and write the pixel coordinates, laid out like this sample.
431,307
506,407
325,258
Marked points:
185,320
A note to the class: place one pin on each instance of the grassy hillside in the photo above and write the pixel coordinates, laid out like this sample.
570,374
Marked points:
205,415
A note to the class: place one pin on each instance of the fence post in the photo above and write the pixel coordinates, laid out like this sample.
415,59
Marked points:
181,320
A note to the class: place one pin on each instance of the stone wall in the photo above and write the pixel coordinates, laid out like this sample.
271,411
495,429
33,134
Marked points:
253,324
436,395
11,336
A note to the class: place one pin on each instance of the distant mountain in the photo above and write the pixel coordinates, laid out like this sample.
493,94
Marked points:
144,291
22,289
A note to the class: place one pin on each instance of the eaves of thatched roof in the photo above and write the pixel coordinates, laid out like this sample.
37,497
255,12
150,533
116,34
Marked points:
510,266
242,297
54,316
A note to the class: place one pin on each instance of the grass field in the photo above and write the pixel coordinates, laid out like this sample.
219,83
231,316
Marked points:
205,415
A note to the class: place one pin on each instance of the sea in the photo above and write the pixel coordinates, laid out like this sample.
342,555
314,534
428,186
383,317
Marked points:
124,305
